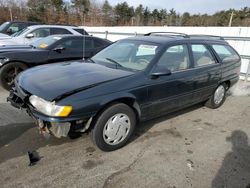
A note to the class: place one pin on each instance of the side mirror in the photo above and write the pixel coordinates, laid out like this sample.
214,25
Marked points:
160,71
59,49
30,35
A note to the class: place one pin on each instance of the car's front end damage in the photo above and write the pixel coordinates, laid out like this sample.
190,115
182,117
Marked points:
63,98
50,117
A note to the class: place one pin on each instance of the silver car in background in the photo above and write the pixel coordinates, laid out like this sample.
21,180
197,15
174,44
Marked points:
33,33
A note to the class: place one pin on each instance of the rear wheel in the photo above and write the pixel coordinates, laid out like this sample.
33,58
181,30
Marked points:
9,72
113,127
218,97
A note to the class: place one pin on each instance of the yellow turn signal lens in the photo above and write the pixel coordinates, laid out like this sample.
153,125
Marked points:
66,110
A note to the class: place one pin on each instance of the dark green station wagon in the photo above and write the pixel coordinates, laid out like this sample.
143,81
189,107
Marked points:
132,80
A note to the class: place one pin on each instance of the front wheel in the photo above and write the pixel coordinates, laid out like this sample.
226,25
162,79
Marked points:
113,127
9,72
218,97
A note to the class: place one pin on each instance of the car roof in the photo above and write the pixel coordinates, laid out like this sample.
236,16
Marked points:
155,39
55,26
61,36
16,21
72,36
165,39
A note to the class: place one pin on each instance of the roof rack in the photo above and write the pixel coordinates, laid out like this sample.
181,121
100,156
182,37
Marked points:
167,33
174,34
206,36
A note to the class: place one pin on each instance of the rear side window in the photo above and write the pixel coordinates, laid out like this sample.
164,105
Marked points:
202,56
225,52
88,43
72,44
55,31
97,43
81,31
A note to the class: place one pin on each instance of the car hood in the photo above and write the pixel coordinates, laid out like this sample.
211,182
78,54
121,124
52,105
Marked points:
53,82
10,41
4,37
13,48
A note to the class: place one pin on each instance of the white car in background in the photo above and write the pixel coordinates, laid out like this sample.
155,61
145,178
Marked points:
35,32
4,36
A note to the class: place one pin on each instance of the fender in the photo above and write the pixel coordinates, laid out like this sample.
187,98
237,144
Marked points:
126,98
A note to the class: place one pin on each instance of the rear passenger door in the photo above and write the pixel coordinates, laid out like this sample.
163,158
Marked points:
207,71
71,49
171,92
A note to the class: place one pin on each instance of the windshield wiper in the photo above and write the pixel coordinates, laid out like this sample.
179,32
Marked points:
115,62
90,59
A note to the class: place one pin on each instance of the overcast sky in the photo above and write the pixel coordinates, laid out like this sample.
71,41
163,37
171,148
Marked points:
192,6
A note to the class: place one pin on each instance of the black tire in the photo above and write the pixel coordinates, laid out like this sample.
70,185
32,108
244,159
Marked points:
100,122
8,73
211,102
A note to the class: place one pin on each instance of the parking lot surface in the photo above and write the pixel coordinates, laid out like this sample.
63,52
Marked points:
195,147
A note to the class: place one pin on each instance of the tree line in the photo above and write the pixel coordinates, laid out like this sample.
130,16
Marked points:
91,13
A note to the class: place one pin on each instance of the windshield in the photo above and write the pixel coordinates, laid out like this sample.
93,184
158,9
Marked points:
44,43
2,27
133,55
20,32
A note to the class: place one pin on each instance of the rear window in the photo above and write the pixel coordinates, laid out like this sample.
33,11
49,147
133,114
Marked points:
81,31
225,52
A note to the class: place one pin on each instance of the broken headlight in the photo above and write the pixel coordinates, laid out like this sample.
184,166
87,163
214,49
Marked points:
49,108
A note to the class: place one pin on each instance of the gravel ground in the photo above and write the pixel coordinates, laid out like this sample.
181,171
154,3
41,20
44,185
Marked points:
196,147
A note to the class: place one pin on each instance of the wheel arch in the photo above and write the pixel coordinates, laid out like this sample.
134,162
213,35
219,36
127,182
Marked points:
128,100
15,61
227,83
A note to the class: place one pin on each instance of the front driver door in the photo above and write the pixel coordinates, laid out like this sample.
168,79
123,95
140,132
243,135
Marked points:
37,34
170,92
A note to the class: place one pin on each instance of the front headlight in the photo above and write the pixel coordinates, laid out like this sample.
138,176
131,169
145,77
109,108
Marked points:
49,108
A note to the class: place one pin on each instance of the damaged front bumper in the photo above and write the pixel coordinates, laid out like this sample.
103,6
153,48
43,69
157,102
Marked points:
59,127
62,129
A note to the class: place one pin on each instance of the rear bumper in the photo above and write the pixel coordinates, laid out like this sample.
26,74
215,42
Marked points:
234,81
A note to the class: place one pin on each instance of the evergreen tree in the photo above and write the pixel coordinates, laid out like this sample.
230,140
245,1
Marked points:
107,13
82,8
